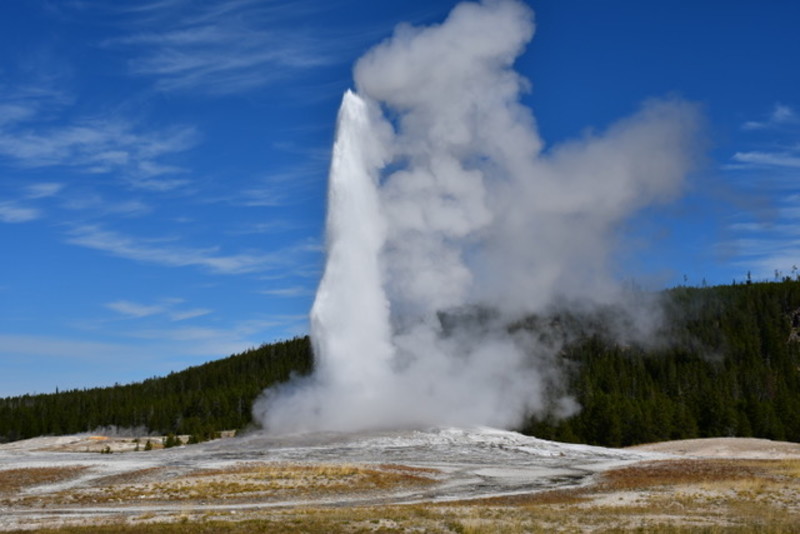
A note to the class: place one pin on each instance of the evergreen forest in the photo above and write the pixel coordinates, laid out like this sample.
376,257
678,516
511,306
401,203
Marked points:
725,362
199,401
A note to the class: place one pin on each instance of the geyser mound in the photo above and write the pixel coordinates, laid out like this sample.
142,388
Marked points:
447,223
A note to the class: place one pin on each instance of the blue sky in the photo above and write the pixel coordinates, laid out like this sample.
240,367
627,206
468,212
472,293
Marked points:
163,163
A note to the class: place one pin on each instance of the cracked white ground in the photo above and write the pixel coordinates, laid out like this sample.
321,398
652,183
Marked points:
56,481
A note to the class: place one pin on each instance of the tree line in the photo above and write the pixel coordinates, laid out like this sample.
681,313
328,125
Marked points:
198,401
726,362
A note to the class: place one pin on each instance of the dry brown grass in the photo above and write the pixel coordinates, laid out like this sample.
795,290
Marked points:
789,468
409,469
667,496
421,518
241,483
682,496
565,496
322,476
455,519
670,473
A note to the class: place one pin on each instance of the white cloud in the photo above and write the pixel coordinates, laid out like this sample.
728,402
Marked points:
44,189
780,115
165,252
223,48
780,260
189,314
153,6
278,189
766,238
782,150
288,292
214,342
99,146
268,227
15,112
12,212
164,307
132,309
769,159
36,132
769,243
103,206
244,333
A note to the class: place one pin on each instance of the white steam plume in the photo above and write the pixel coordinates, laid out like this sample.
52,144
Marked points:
447,221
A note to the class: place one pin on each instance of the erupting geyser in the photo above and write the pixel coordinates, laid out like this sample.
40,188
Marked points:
448,222
351,312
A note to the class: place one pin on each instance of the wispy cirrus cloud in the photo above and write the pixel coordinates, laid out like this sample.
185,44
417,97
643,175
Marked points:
165,252
37,131
780,149
22,209
99,146
789,159
168,307
14,212
244,333
43,190
289,186
31,99
14,112
285,186
288,292
133,309
273,226
281,188
765,240
183,315
102,206
764,249
780,115
222,47
768,258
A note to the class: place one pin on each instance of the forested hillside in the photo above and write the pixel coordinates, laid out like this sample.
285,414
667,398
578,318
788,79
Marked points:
197,401
726,363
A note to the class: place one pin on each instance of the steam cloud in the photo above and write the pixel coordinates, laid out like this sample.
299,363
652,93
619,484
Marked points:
443,203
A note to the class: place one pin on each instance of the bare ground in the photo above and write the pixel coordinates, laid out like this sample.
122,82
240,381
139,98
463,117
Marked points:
752,448
441,481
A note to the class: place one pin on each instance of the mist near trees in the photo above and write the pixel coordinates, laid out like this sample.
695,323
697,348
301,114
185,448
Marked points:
728,364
